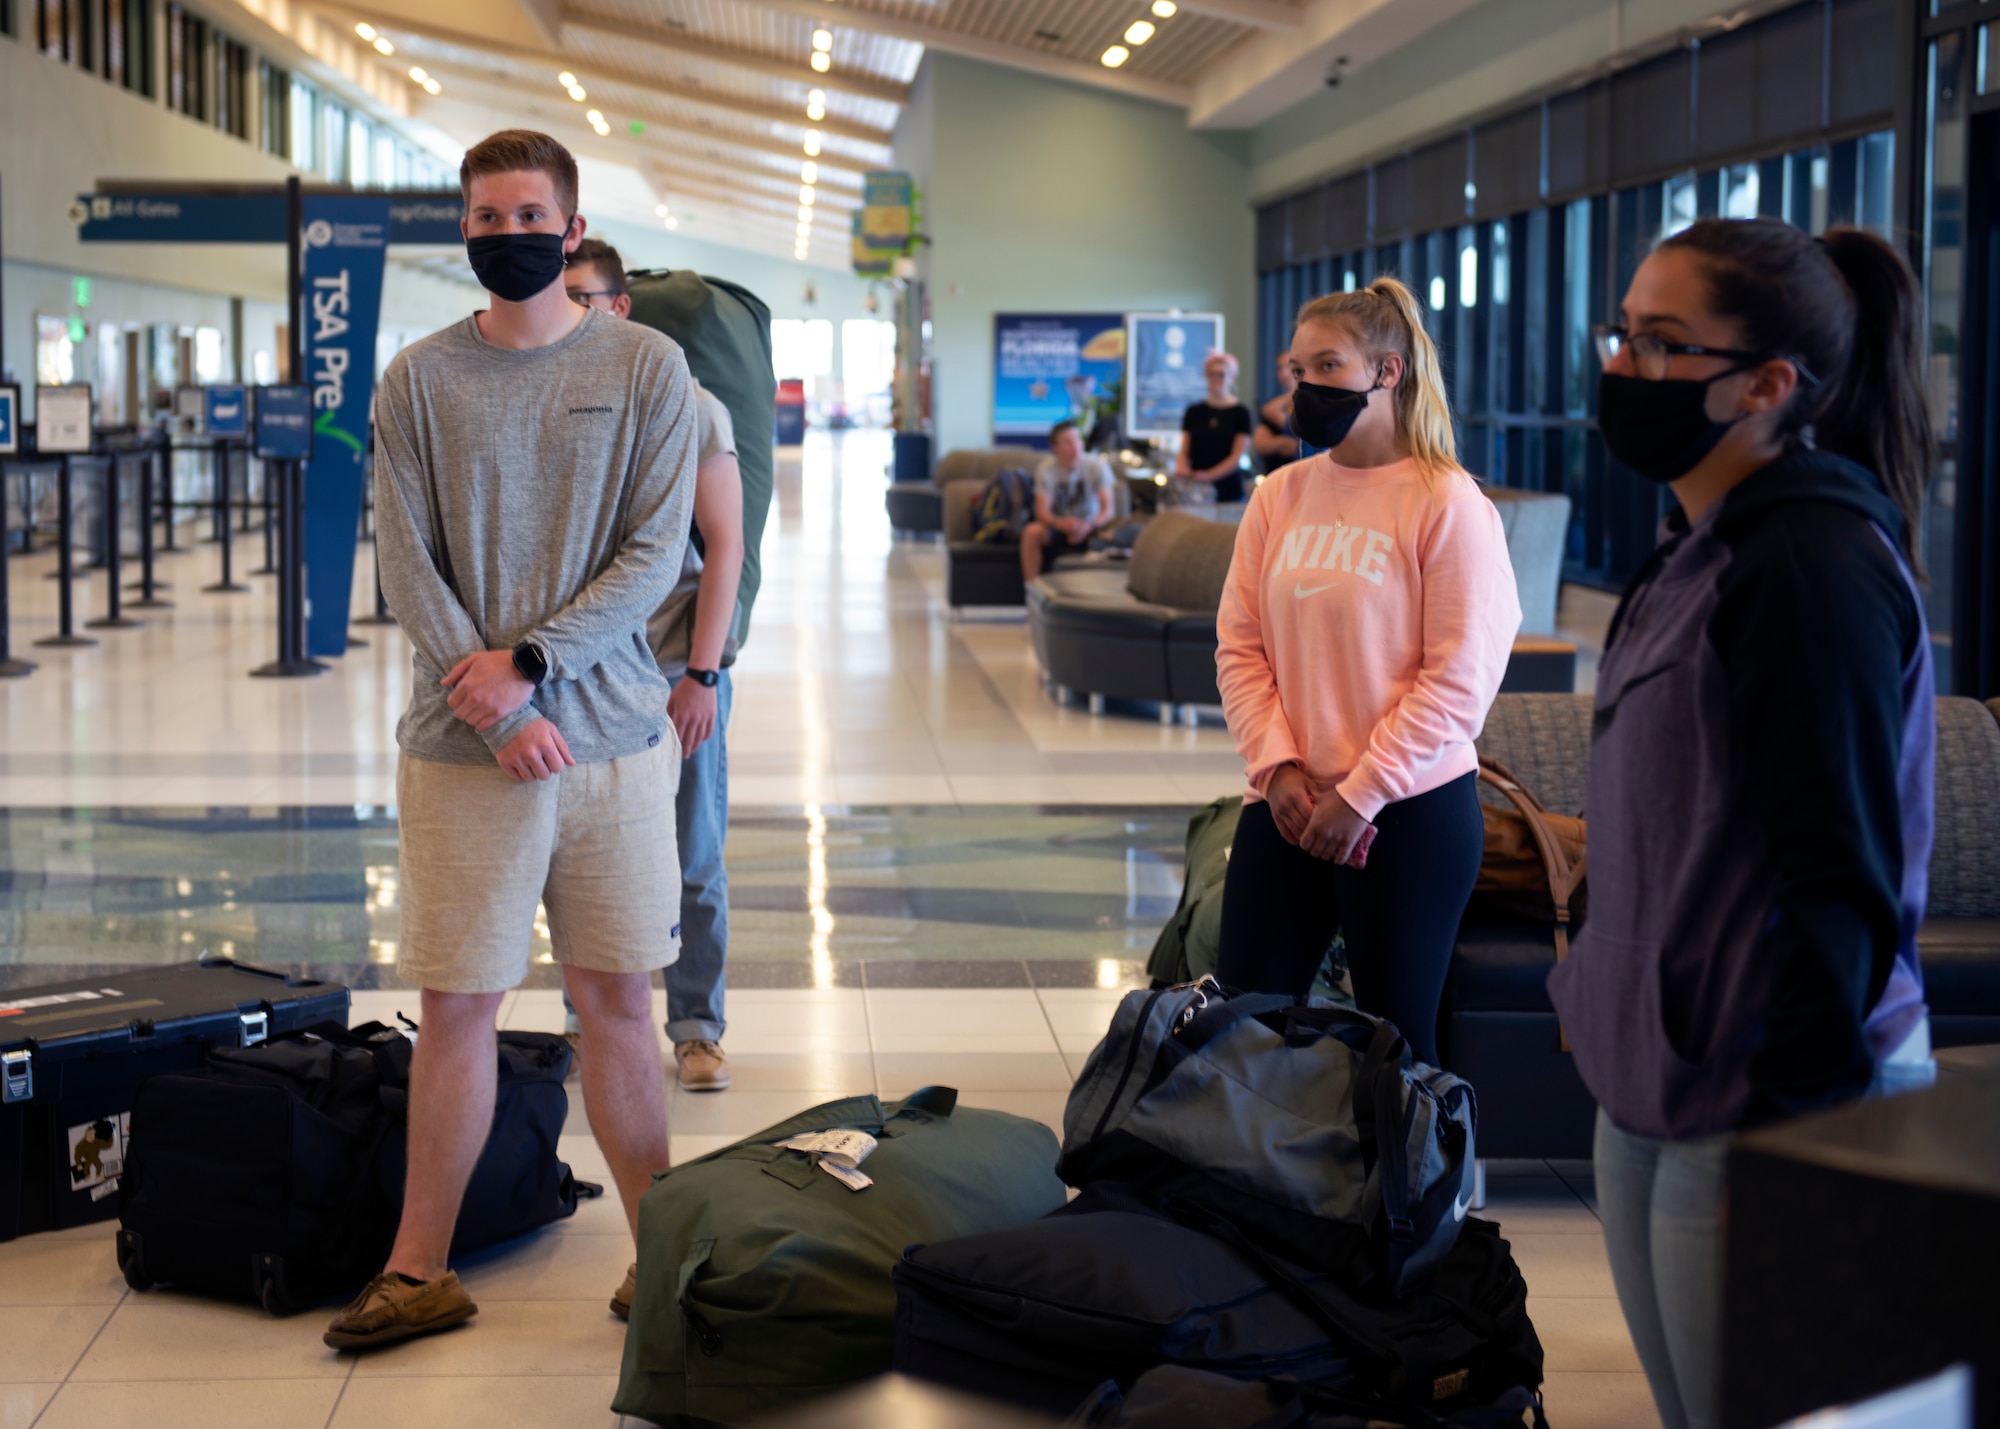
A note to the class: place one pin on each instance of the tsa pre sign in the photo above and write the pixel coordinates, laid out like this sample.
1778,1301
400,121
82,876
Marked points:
346,239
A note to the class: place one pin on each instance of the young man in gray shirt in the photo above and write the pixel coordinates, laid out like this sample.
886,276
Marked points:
534,473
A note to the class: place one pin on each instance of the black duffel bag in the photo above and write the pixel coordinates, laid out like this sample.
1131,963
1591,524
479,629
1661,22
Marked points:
274,1173
1118,1282
1174,1398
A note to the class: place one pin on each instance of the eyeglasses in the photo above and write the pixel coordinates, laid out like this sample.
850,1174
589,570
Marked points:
582,296
1650,354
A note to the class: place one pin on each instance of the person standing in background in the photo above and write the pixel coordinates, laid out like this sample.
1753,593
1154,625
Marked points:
1763,751
1216,432
1273,441
1364,628
693,638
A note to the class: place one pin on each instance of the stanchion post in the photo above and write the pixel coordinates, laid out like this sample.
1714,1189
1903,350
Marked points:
65,636
270,566
149,594
114,617
167,486
227,585
291,659
380,615
10,668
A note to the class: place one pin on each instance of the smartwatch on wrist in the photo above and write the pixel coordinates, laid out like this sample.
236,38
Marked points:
531,663
705,678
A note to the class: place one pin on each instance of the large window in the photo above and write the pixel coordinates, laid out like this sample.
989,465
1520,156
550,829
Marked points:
112,38
274,100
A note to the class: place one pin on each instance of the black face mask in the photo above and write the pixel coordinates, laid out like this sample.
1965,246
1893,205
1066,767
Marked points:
516,266
1661,430
1323,416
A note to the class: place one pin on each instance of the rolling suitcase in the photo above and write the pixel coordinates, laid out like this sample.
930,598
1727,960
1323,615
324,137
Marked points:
72,1055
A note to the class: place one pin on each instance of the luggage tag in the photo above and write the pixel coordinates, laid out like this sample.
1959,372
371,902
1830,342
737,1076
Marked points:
839,1153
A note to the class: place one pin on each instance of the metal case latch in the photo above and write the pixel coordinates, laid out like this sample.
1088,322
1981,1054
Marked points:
256,1027
17,1076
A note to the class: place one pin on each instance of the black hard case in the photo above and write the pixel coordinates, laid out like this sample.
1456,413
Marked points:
72,1055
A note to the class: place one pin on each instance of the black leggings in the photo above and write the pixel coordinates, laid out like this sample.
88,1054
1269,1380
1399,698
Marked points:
1281,907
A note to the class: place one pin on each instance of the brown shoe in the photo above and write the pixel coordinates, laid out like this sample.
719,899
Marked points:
621,1299
702,1066
390,1311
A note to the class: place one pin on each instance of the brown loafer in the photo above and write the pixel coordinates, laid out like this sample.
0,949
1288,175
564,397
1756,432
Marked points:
390,1311
621,1299
701,1066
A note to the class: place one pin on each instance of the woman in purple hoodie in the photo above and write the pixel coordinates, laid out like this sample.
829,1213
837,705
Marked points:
1761,765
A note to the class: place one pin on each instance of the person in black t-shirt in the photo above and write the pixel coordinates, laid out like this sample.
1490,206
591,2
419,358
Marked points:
1273,441
1217,432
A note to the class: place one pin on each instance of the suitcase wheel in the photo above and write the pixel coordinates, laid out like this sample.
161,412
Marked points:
131,1262
272,1291
267,1292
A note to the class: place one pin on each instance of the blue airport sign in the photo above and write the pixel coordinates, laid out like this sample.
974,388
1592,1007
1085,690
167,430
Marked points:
253,217
10,419
228,413
284,423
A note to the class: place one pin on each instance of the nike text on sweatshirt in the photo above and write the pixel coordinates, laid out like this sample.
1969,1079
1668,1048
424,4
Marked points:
1365,627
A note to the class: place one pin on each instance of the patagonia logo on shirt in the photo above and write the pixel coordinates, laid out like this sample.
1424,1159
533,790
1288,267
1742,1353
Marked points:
1354,550
592,411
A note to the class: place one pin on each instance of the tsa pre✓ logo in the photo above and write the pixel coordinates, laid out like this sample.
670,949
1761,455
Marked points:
332,300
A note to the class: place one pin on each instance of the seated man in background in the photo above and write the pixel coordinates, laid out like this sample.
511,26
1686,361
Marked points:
1075,494
693,636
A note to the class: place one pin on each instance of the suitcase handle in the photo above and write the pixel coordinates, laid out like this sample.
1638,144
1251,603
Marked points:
288,979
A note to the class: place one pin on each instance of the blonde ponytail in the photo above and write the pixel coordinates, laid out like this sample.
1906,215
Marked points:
1385,318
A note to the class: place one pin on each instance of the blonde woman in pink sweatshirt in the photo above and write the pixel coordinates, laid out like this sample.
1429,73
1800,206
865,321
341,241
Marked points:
1364,629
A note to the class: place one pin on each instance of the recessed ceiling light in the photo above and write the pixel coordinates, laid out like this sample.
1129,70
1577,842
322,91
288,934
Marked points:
805,196
812,144
821,61
660,209
365,30
417,73
595,116
822,39
673,222
808,172
815,112
565,79
1116,56
1165,9
383,46
805,214
431,86
1138,32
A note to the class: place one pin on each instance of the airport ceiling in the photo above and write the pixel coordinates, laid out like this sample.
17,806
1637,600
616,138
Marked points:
725,110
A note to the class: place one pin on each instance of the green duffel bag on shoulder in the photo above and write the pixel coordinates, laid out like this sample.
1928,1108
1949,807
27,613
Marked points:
764,1279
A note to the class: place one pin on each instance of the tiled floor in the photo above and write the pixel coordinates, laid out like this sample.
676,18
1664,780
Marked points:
940,876
544,1351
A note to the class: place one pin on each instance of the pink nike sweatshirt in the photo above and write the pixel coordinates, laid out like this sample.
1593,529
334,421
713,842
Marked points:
1364,628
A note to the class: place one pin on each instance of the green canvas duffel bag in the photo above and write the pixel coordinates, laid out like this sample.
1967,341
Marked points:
764,1281
725,330
1186,948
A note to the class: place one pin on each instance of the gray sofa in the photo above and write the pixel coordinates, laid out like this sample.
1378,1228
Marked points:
1147,631
1497,1028
989,572
917,507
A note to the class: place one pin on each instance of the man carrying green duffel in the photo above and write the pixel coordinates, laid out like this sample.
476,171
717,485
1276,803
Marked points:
764,1275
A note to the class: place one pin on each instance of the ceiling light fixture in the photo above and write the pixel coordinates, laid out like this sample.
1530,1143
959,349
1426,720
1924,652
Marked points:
673,222
382,45
823,40
431,86
816,105
1138,32
812,144
1165,9
660,210
595,116
808,172
565,79
1116,56
805,214
365,30
417,74
821,61
576,93
805,195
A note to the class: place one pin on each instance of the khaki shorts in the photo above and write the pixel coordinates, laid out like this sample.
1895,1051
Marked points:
594,845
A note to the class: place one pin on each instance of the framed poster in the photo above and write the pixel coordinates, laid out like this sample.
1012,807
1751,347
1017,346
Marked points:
1051,367
1167,350
227,414
10,419
284,423
62,419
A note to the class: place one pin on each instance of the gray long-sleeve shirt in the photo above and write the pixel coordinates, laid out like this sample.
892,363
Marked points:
539,494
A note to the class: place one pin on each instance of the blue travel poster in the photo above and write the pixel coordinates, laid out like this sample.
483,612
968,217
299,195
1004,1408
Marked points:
227,414
1052,366
1168,350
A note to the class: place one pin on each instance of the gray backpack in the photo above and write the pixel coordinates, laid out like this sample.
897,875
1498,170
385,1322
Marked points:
1307,1128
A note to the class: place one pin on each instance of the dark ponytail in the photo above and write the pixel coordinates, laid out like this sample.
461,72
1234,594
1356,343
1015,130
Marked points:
1848,308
